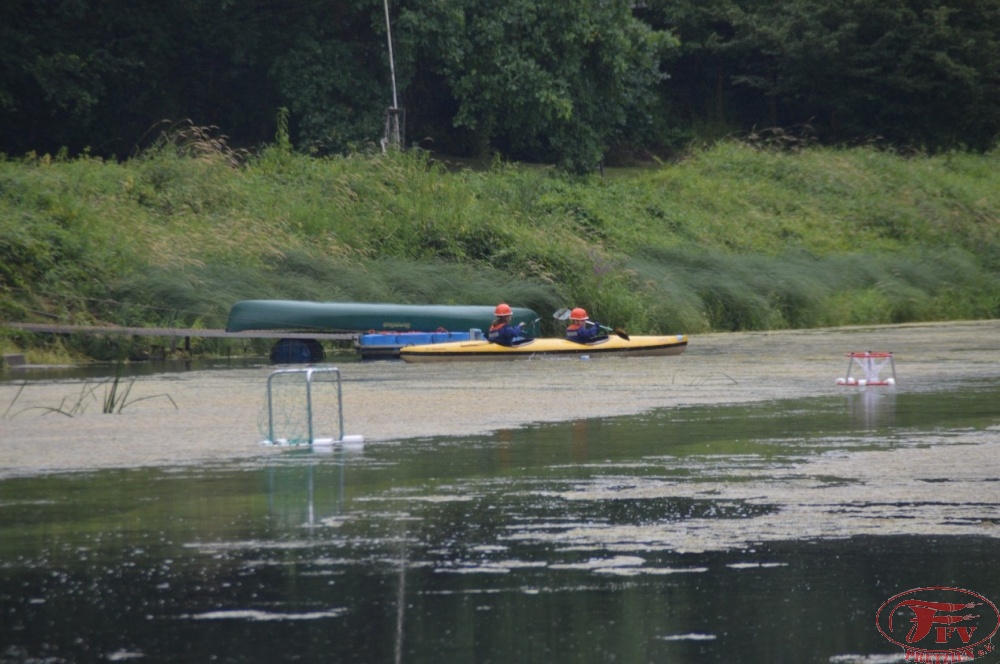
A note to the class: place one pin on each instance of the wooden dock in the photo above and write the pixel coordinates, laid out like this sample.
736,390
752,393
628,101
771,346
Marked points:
185,333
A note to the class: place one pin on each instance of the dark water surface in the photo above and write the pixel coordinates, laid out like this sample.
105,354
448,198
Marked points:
683,535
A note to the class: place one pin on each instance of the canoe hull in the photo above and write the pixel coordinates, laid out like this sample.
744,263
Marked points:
359,317
466,351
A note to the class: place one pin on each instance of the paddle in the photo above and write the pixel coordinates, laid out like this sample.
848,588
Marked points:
533,324
617,330
564,314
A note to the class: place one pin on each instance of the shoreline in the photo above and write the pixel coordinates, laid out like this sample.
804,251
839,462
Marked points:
218,412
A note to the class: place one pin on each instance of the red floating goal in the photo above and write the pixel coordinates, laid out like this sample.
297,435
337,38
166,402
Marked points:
871,364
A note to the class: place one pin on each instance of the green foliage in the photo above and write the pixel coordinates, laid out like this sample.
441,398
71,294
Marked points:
100,74
52,235
572,83
735,237
799,290
334,77
549,81
907,72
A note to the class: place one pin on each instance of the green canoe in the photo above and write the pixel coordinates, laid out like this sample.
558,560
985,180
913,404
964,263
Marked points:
361,317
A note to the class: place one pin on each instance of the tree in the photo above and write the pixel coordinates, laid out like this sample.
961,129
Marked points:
699,90
911,72
100,74
334,75
541,81
566,82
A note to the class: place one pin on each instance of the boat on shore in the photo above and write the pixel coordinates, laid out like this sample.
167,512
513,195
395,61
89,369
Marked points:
295,315
381,328
481,350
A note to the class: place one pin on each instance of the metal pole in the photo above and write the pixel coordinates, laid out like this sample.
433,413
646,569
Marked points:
392,64
309,403
340,405
392,121
270,411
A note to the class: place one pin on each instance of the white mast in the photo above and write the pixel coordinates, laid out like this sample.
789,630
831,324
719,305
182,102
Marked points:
392,135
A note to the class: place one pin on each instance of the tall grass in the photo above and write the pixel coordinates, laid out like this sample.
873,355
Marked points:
732,237
692,289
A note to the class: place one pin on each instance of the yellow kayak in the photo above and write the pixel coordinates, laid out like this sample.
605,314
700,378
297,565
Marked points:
486,350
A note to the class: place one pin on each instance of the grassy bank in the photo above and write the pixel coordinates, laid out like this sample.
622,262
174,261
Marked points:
735,237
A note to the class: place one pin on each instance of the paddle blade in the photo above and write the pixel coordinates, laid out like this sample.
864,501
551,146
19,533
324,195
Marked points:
562,314
621,333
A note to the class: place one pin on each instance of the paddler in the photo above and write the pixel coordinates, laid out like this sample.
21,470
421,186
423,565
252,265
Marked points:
501,331
581,329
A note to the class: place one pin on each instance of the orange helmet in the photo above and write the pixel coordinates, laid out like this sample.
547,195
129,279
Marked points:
578,314
503,310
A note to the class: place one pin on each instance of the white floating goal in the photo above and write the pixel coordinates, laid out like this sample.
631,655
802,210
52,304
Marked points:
305,407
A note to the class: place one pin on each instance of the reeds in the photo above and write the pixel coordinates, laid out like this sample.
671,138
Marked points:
115,399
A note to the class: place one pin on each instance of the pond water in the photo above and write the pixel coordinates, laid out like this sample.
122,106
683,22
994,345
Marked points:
748,510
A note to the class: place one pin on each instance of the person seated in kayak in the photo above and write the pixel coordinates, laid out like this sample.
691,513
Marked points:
581,329
501,331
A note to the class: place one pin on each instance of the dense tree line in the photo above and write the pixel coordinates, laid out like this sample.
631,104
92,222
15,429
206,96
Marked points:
914,73
571,82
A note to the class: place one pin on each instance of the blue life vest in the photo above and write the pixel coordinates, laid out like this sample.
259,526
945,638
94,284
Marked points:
583,332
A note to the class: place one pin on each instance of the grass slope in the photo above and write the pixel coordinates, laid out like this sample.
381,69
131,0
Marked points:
734,237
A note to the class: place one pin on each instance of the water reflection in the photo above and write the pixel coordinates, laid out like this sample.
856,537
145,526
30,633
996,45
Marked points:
285,487
872,408
756,533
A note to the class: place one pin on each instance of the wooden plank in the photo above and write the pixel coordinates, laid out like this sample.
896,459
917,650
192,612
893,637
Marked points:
49,328
12,360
